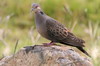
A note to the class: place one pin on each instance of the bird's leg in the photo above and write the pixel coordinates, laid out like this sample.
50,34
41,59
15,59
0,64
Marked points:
48,44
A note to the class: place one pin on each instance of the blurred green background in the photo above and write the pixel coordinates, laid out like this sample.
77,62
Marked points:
82,17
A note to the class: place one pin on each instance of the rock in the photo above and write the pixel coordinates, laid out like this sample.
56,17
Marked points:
39,55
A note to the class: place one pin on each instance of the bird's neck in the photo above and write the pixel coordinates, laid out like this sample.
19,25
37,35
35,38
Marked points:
40,21
40,17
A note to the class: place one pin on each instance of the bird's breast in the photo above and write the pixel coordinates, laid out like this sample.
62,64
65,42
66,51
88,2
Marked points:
42,31
41,25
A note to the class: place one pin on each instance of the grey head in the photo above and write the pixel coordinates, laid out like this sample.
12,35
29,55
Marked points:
36,8
39,14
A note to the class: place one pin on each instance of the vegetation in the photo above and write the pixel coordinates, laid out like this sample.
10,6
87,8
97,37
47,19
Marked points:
17,23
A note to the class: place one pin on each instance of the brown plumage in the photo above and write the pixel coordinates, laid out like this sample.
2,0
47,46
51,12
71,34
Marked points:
56,32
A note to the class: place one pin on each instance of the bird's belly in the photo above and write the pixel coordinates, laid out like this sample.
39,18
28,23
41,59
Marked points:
42,32
45,35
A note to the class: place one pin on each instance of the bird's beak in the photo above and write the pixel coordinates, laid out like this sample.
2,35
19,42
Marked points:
32,9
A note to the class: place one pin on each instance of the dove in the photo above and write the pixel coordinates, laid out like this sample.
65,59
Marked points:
54,31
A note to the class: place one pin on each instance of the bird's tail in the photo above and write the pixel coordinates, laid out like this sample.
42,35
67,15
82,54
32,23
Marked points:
81,49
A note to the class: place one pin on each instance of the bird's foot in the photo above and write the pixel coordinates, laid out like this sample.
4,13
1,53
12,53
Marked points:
48,44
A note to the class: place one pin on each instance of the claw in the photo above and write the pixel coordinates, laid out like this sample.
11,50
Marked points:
48,44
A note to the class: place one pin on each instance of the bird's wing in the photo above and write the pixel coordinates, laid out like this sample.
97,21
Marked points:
57,32
72,40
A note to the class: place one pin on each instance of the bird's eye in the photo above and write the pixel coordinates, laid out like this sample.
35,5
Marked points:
41,12
36,6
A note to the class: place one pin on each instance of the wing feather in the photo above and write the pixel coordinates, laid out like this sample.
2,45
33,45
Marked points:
58,33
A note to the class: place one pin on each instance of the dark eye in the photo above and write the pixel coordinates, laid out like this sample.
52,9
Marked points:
41,12
36,6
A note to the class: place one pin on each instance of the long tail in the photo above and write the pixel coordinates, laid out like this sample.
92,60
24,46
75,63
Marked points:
81,49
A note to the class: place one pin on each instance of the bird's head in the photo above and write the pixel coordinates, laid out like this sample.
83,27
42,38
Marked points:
35,7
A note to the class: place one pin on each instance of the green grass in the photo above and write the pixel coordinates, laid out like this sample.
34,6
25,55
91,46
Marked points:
17,23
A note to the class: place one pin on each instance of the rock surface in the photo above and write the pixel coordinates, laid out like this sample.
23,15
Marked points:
39,55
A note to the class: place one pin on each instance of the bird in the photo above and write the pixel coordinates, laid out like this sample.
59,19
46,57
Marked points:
54,31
